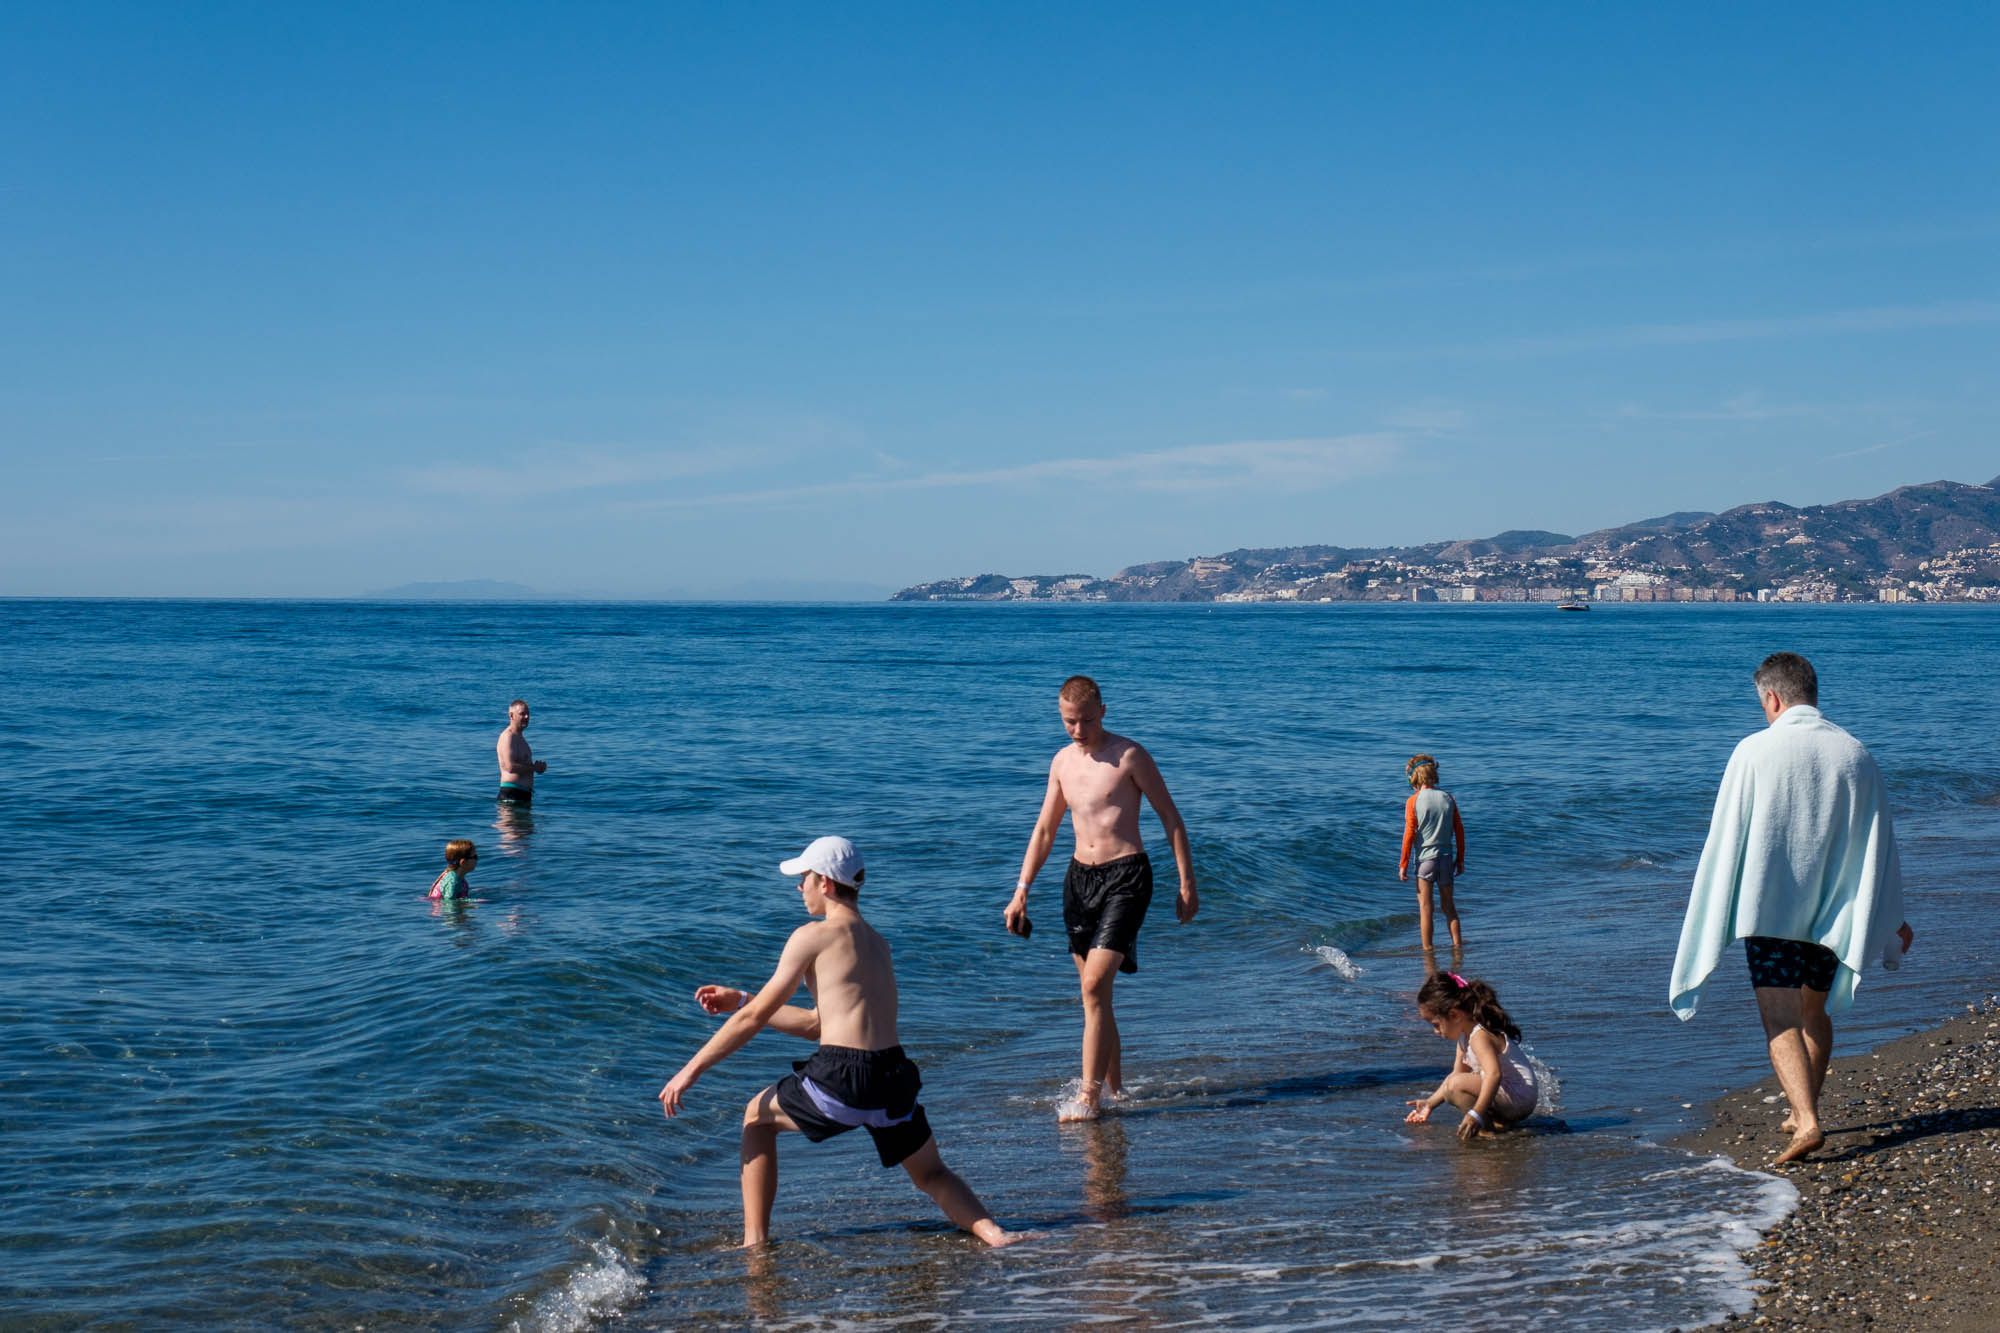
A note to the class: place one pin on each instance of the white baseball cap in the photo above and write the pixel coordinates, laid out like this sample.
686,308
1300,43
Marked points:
836,858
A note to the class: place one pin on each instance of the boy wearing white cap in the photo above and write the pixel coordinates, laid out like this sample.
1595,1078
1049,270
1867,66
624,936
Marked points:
859,1078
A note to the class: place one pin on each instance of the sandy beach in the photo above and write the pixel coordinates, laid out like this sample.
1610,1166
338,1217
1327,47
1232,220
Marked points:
1898,1214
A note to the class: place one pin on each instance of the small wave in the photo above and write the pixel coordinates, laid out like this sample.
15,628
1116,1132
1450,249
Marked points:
1361,932
596,1291
1336,960
1423,1263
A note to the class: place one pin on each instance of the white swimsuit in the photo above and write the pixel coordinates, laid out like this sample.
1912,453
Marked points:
1515,1098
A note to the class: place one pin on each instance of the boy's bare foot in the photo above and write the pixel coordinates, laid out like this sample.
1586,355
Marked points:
991,1232
1803,1142
1083,1104
1787,1125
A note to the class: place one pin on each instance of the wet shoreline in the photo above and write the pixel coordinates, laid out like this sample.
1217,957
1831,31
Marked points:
1899,1211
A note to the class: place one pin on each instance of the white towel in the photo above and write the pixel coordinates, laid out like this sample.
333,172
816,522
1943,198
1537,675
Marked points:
1801,848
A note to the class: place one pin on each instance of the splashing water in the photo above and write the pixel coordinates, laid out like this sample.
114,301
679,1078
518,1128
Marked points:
1346,968
598,1290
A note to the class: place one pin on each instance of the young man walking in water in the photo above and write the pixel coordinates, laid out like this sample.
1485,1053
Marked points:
518,764
859,1078
1099,778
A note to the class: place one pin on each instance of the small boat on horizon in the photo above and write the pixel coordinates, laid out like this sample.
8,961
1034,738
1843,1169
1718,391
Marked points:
1573,604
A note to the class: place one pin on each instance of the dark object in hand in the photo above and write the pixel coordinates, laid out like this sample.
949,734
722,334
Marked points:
1025,929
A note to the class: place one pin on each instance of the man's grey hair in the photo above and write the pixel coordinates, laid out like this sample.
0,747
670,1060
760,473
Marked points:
1791,678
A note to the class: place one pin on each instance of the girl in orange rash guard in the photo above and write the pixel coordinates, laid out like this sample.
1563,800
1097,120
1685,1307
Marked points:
1431,825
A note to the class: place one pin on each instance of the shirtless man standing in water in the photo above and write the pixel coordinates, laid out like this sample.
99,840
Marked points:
859,1077
518,764
1099,778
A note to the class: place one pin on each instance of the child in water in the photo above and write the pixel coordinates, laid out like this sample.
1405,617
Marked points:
1431,826
1491,1081
459,858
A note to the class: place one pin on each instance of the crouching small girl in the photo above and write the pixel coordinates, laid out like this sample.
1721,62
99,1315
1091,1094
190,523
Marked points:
1491,1080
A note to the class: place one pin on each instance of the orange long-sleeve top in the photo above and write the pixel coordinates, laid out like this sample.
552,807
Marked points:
1410,832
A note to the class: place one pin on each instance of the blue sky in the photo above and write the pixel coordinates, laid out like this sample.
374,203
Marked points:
649,300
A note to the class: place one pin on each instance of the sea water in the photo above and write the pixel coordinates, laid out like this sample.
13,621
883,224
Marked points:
251,1078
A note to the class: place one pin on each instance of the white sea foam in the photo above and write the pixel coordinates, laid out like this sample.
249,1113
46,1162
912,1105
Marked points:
1583,1265
1334,958
1711,1242
1069,1101
595,1291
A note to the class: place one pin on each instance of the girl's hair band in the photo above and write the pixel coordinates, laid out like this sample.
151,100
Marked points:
1462,982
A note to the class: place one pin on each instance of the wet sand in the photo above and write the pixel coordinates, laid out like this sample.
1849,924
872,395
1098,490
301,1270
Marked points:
1899,1212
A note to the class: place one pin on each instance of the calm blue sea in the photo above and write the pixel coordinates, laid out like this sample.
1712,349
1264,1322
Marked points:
250,1078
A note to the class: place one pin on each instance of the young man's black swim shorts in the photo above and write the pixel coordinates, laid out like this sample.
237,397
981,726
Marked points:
512,795
1104,906
842,1088
1777,964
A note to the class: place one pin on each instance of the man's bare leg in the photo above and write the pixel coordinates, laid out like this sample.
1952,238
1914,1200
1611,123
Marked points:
1818,1031
1450,917
1424,913
1102,1064
763,1119
1784,1028
929,1174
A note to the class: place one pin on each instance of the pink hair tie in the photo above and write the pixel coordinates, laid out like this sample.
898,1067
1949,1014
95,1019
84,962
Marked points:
1463,984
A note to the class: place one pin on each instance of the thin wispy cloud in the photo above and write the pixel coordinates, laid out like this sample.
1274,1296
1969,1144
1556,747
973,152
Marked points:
122,527
1878,319
1747,407
561,470
211,449
1878,448
1428,420
1301,288
1243,465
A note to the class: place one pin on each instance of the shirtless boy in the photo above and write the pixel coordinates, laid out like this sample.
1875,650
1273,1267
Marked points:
518,764
858,1079
1099,778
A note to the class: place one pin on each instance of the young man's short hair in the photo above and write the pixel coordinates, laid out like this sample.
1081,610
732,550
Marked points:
518,703
1080,690
1791,678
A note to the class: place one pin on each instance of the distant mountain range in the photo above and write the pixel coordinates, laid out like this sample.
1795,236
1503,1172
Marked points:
1936,541
748,590
458,590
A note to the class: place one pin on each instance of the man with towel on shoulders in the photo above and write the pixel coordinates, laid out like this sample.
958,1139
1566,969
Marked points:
1800,864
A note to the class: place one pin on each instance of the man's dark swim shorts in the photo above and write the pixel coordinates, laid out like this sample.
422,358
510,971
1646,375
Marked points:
842,1088
1789,964
1104,906
512,795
